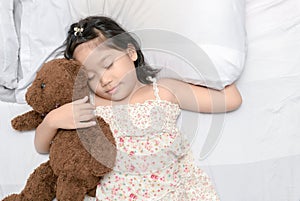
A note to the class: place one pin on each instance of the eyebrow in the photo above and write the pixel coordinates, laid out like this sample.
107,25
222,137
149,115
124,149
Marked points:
107,54
103,55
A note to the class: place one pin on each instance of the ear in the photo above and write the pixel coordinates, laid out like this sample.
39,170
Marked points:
132,52
28,121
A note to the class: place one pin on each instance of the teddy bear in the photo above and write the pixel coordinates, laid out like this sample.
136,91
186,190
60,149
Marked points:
78,158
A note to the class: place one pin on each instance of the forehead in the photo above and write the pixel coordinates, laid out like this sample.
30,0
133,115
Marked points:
91,54
84,49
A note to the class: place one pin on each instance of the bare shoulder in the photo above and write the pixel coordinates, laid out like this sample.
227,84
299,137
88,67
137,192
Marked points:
147,93
166,90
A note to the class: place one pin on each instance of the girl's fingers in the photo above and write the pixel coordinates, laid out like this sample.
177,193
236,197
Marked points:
79,111
86,106
86,117
80,101
83,113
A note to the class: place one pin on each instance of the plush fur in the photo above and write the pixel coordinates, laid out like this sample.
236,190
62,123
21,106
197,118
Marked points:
78,158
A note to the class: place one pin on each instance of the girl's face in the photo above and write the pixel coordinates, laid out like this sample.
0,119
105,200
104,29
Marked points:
111,72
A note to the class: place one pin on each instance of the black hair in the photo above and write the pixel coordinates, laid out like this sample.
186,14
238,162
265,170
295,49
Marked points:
89,28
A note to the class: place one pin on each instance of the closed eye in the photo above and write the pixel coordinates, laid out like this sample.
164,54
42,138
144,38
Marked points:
91,75
108,65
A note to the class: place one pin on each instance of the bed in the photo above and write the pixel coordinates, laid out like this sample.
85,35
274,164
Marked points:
251,154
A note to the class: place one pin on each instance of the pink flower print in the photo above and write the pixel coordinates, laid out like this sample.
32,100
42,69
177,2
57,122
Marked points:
121,140
133,196
172,135
162,179
148,147
186,169
153,176
114,191
117,178
132,168
131,153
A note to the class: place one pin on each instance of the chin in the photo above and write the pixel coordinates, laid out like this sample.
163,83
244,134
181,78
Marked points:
116,98
119,97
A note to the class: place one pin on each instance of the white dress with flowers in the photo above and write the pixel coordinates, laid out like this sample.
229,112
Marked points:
154,161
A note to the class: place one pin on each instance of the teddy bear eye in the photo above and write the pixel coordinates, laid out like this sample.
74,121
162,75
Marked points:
43,85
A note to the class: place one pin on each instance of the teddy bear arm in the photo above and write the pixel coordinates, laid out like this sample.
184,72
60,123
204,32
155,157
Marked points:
28,121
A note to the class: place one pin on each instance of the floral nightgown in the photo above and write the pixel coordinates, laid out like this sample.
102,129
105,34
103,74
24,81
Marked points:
154,161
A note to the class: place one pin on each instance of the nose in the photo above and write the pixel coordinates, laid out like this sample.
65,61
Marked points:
105,79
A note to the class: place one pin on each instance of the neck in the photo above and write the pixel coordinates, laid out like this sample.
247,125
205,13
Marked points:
128,99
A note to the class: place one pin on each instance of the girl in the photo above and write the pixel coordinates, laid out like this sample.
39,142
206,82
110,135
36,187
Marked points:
154,161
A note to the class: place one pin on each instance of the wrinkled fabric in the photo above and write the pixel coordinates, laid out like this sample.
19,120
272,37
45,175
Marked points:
154,161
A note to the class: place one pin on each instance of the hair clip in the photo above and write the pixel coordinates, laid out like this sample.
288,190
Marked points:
77,30
150,78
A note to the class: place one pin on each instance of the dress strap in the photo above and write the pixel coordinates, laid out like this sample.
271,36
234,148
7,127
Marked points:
155,87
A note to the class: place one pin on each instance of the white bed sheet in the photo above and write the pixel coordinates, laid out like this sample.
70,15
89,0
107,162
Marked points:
269,180
276,179
18,156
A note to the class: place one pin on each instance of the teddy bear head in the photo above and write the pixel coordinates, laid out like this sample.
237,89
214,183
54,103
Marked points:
58,81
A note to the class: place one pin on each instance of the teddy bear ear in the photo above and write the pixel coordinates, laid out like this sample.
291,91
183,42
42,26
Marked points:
71,66
79,76
75,69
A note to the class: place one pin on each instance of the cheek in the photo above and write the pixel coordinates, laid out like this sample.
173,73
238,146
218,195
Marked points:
97,89
127,77
94,85
128,71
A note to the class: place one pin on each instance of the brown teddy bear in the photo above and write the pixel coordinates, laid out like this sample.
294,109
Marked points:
77,158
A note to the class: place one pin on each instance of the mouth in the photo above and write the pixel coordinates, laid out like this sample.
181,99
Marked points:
112,90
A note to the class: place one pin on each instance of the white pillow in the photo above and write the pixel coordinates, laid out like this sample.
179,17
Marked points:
273,33
81,9
9,46
44,25
216,27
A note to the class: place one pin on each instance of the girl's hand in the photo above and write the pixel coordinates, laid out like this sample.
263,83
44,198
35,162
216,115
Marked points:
77,114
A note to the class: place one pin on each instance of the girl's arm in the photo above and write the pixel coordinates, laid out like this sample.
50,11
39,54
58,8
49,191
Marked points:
77,114
202,99
44,134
